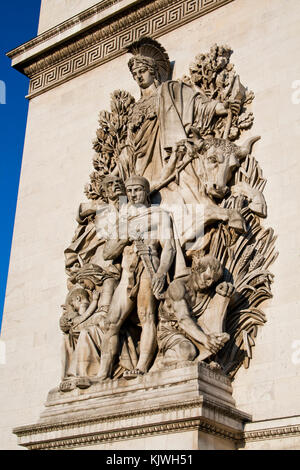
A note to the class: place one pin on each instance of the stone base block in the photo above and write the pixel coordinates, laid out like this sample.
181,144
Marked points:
187,407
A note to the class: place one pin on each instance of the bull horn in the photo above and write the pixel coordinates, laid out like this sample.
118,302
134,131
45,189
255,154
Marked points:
246,148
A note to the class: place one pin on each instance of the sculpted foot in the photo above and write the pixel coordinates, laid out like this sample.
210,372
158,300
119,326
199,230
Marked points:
68,384
132,374
83,382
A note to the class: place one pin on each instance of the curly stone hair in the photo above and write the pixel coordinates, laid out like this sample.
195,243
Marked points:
200,263
228,147
77,292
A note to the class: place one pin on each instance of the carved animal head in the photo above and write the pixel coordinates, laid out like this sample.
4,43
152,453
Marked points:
220,158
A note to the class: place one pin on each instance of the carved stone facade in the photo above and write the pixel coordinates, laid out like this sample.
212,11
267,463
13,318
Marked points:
171,287
107,40
170,269
113,413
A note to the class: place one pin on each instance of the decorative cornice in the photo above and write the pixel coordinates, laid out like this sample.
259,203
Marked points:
82,438
84,432
272,433
104,41
131,433
64,26
167,408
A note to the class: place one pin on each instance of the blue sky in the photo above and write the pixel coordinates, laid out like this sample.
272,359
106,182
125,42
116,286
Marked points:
18,24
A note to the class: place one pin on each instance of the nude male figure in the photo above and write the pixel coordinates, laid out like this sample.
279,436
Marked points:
146,235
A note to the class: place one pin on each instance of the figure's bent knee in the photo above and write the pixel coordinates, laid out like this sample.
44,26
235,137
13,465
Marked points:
187,351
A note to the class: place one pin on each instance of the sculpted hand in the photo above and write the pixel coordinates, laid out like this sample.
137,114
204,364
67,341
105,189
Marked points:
236,221
226,289
214,342
103,322
141,248
222,109
169,167
65,325
158,283
235,107
255,197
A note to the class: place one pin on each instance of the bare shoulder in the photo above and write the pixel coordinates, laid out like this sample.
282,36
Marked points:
177,290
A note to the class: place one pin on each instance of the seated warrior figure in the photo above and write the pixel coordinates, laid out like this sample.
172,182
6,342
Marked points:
147,248
181,337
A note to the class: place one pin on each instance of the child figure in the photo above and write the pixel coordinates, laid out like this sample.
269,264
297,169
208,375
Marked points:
77,310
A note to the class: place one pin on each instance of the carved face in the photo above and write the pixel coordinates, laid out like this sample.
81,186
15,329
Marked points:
218,168
114,189
143,77
78,302
206,279
136,194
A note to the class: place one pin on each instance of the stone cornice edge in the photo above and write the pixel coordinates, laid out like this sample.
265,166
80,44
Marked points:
130,433
65,25
272,433
202,401
106,40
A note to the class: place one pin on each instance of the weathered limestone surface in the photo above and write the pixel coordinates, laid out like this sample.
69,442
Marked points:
61,125
190,402
54,12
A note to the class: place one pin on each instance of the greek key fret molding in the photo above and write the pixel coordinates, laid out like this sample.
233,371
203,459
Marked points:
97,36
108,40
56,30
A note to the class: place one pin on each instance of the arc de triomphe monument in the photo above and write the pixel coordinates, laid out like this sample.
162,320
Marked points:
152,298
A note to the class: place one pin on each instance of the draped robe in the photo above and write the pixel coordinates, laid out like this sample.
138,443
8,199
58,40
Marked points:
158,123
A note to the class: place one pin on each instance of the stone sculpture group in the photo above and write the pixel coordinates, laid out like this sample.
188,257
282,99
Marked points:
169,262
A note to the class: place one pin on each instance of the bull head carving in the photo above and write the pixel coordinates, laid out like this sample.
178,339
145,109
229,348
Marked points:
219,160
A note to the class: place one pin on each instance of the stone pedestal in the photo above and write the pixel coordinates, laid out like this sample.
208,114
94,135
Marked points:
188,407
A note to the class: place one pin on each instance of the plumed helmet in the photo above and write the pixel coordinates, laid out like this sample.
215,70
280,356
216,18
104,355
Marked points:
151,53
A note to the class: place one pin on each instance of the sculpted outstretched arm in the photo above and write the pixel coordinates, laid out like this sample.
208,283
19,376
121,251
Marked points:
187,323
